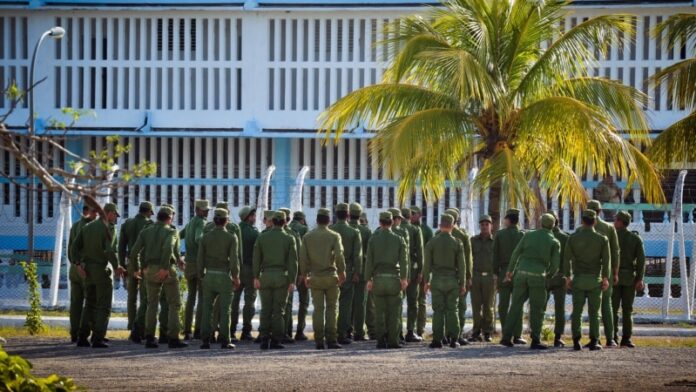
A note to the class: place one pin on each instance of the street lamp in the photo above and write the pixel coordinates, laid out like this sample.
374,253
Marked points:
56,32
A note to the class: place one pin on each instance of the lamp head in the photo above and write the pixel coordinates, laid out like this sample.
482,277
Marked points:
56,32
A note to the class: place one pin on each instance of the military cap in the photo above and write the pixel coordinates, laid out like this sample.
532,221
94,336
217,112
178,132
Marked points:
268,214
222,204
171,207
286,211
455,209
165,210
446,219
415,210
203,205
512,212
406,212
279,215
245,211
589,214
548,221
363,215
385,215
145,205
624,217
485,218
453,212
298,215
342,207
324,212
221,213
395,213
594,205
111,207
355,208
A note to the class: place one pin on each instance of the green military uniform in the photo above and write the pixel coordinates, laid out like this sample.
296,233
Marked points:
302,291
218,266
130,229
415,241
387,263
322,261
557,287
296,224
462,236
403,233
249,233
291,295
360,291
607,230
275,265
427,234
164,306
482,284
352,248
192,236
536,256
445,271
503,245
587,260
631,271
95,248
77,283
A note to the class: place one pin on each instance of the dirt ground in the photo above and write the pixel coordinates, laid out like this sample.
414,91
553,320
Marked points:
360,367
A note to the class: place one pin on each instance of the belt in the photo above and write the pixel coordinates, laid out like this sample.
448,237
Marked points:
217,271
386,275
541,275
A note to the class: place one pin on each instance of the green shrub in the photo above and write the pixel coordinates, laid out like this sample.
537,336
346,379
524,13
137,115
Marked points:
15,375
33,323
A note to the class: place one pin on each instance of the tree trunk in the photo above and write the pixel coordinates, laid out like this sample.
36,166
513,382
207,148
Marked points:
494,200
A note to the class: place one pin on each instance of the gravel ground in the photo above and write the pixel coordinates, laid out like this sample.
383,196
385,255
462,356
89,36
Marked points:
360,367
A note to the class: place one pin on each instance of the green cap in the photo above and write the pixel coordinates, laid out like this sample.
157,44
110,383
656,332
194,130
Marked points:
111,207
385,215
223,205
589,214
221,213
342,207
395,213
279,215
406,212
453,212
285,211
171,207
146,205
245,211
594,205
624,217
268,214
548,221
298,215
363,215
203,205
355,208
324,212
165,210
512,212
415,210
446,219
485,218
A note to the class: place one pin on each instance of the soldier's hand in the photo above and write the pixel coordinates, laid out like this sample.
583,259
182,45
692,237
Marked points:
640,285
569,283
369,285
81,271
356,277
138,275
291,288
468,283
462,290
605,284
162,275
341,278
181,264
236,283
120,271
616,279
419,278
404,284
426,287
508,277
257,284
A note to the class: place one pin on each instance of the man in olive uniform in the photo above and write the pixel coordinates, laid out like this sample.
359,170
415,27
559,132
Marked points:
397,219
631,272
427,234
299,226
77,283
323,269
444,259
352,253
537,256
415,241
483,282
130,229
608,230
94,249
386,271
249,233
193,235
360,291
504,244
586,265
218,267
275,271
291,296
557,286
463,236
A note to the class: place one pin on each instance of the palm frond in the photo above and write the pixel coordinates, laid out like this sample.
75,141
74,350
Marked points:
680,80
674,147
677,30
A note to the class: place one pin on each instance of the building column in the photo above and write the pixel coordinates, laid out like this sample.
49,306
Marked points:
282,179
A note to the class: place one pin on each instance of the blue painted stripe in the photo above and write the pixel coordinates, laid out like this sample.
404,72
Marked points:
20,242
198,181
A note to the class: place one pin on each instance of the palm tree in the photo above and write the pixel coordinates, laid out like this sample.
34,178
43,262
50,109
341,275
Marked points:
674,147
500,82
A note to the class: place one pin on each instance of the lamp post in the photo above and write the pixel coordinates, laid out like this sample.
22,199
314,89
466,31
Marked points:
55,33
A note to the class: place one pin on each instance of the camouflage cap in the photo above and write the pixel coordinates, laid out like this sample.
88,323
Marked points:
512,212
453,212
146,205
324,212
298,215
446,219
245,211
589,214
594,205
355,208
395,213
342,207
385,215
406,212
222,204
221,213
415,210
165,210
548,221
268,214
202,205
279,215
624,217
111,207
485,218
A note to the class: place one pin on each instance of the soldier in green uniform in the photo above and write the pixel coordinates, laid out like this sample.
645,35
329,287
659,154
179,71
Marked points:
164,306
193,235
130,229
537,256
631,272
249,233
483,282
299,226
397,219
360,291
503,245
444,259
427,234
586,265
288,307
77,283
608,230
415,241
386,271
218,267
352,253
275,271
463,236
94,249
323,269
556,285
299,223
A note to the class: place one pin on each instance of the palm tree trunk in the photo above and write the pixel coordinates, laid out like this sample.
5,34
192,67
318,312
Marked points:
494,200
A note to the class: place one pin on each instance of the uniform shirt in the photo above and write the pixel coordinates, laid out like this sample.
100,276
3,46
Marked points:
538,252
299,228
155,246
298,241
608,230
194,233
218,250
322,253
482,254
96,244
462,236
632,265
444,255
504,244
130,229
426,232
249,235
275,249
74,232
231,228
386,254
415,241
586,253
562,238
352,245
365,235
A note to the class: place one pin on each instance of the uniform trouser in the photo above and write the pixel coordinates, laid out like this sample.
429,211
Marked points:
163,313
218,290
136,288
420,323
303,299
586,288
607,313
412,292
195,292
247,289
345,305
386,292
170,286
623,296
461,312
527,287
504,299
445,296
370,314
359,304
559,295
99,290
482,298
274,298
325,297
77,300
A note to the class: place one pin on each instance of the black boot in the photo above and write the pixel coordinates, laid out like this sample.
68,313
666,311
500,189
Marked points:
435,344
462,341
176,343
287,340
265,343
594,345
454,343
233,338
487,338
345,340
150,342
333,345
206,344
276,345
258,339
576,344
135,336
413,338
196,334
225,345
320,344
476,337
557,342
626,342
519,340
187,336
246,335
83,342
163,339
537,345
507,342
382,343
99,344
300,336
359,338
611,344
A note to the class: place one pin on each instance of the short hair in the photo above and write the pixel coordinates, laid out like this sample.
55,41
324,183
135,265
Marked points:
278,222
86,208
323,220
342,215
588,221
355,217
144,210
514,219
162,216
219,221
385,222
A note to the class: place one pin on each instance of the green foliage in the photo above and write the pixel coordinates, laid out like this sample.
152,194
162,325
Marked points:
33,323
15,375
14,93
546,333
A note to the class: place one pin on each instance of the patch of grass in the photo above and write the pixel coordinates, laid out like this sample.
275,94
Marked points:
665,342
50,312
54,332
